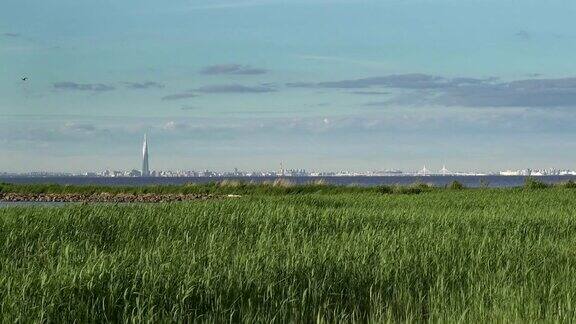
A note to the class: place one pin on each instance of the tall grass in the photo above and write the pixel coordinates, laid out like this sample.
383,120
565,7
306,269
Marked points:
444,255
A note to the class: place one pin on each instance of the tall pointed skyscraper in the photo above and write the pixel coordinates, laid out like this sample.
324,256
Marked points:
145,166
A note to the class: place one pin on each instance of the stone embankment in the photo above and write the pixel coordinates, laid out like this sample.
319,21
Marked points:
102,197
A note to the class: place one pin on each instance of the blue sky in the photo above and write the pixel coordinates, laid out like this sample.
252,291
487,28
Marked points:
363,84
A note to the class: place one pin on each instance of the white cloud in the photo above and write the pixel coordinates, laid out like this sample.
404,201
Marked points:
173,125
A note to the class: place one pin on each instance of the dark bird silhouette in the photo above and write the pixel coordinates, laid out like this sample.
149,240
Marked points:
24,78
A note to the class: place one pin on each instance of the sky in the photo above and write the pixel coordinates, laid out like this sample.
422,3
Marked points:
316,84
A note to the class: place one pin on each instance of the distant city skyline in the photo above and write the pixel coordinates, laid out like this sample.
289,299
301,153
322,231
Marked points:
322,85
147,171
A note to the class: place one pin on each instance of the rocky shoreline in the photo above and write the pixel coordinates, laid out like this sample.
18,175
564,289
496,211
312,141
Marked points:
102,197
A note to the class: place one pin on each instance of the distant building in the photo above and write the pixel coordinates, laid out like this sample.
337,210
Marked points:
145,165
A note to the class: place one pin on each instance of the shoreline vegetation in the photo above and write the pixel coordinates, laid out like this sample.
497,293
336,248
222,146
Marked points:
226,188
103,197
286,253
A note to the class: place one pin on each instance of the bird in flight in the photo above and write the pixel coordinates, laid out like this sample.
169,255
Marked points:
24,78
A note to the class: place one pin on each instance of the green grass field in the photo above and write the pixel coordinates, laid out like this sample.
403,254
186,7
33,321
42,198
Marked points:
471,255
